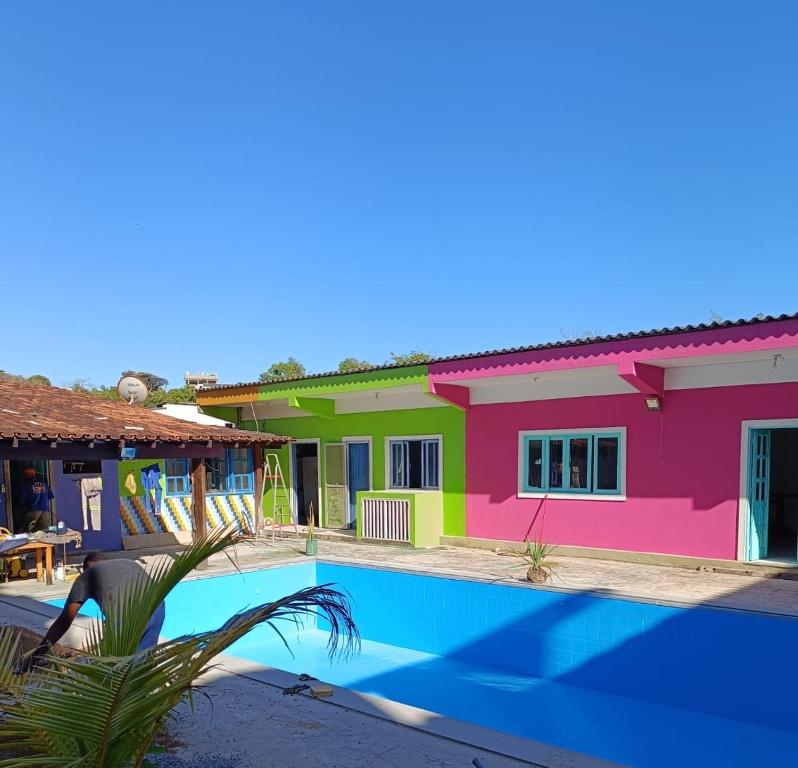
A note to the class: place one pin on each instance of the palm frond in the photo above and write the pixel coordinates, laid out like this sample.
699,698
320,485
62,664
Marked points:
9,658
125,620
103,711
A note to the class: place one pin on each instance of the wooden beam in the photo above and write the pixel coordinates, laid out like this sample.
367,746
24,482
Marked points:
198,501
35,449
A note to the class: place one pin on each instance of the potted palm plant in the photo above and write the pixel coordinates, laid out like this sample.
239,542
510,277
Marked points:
311,545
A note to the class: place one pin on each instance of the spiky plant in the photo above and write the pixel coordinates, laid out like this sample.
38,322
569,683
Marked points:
536,555
103,710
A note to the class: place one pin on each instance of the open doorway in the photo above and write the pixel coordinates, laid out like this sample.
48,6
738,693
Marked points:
16,481
783,496
305,480
773,495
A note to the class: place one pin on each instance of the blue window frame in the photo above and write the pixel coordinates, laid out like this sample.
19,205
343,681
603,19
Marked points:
579,462
231,474
177,482
240,475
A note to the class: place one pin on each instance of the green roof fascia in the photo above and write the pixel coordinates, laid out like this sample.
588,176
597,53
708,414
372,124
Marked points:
345,382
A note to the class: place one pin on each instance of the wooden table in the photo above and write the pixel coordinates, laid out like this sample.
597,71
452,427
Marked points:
44,558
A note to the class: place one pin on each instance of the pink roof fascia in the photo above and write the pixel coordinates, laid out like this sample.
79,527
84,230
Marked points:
759,337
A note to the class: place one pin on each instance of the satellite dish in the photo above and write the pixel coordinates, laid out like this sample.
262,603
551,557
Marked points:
132,390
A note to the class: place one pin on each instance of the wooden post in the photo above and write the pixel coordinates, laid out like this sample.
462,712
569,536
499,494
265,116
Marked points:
257,465
198,500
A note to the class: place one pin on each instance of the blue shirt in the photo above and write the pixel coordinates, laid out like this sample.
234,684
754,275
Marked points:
36,496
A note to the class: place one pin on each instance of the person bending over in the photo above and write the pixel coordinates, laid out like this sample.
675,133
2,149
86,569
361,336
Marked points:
102,580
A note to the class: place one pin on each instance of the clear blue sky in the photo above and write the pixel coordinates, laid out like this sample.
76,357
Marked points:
218,185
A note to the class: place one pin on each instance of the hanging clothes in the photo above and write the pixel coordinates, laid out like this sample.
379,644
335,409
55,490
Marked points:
130,483
151,480
91,489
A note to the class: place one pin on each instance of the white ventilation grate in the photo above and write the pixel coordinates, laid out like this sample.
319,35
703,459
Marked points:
386,519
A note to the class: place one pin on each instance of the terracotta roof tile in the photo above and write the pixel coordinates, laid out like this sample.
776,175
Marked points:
37,412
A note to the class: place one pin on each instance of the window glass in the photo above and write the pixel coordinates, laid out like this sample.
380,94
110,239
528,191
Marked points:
429,463
578,463
215,475
414,464
585,463
607,463
534,475
399,464
555,463
176,476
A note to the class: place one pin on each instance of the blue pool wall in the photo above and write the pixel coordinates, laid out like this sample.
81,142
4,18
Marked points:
719,662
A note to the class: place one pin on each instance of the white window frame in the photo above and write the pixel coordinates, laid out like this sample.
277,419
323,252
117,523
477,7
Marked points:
522,494
387,456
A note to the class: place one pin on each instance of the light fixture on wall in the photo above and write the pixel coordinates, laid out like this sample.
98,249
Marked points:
777,359
653,403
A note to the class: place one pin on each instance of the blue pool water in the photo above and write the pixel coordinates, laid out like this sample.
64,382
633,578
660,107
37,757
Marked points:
643,685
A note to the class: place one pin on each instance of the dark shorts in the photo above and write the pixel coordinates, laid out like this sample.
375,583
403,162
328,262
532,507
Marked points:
36,520
153,629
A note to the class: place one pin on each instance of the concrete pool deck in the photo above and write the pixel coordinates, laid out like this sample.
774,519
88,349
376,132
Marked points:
658,583
349,730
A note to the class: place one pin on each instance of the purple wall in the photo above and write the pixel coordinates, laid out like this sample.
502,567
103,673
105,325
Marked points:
68,506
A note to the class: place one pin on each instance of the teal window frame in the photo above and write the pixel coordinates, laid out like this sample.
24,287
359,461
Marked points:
232,481
176,471
591,473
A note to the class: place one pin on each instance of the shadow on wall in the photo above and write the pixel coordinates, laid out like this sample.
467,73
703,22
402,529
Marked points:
637,683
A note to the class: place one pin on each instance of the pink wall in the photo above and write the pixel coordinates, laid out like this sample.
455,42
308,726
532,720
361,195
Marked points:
682,469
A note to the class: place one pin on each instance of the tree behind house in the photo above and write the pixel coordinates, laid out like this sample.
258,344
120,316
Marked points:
414,357
283,370
352,364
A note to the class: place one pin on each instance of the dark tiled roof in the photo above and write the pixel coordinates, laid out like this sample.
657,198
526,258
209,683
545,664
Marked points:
37,412
538,347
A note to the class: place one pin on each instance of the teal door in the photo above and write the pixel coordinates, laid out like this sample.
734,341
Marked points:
758,494
358,476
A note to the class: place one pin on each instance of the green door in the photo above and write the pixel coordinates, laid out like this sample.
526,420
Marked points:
334,486
758,494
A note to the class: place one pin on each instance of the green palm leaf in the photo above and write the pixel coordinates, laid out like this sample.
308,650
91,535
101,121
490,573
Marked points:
103,710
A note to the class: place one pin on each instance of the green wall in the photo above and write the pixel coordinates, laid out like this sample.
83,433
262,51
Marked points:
135,466
445,420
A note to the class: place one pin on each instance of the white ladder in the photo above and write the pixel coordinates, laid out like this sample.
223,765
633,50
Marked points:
281,500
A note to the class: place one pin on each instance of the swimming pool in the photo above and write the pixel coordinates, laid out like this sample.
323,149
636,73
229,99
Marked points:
644,685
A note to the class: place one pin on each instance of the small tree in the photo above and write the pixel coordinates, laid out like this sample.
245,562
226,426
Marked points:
37,378
352,364
281,371
153,382
414,357
183,394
